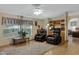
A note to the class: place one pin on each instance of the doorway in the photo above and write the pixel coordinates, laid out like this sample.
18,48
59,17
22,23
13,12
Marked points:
73,30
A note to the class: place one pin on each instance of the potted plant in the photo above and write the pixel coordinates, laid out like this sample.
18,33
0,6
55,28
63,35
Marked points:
22,34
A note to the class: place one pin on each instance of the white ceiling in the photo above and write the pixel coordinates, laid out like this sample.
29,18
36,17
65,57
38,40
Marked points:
50,10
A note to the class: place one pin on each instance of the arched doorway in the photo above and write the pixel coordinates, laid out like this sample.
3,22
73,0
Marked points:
73,29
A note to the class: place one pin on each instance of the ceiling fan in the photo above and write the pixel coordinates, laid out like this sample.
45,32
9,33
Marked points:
37,9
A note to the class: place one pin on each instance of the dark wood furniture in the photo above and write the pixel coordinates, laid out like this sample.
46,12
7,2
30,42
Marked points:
75,34
19,40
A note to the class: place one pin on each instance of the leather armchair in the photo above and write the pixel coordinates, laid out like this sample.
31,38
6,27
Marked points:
41,36
55,38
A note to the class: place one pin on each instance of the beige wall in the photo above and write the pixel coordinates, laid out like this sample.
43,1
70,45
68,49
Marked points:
4,40
42,24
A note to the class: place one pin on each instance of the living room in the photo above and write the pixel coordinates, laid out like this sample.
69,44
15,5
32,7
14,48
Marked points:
19,25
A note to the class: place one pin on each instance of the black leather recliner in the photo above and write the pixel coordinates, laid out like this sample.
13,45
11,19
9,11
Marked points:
41,36
55,38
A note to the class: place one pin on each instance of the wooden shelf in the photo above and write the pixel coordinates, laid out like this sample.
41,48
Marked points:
60,24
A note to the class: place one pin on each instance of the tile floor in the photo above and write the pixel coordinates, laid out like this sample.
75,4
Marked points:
31,48
70,48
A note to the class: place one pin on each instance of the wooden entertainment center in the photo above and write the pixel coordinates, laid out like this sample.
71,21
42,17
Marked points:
57,24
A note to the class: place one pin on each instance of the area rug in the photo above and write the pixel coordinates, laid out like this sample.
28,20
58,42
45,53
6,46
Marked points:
32,48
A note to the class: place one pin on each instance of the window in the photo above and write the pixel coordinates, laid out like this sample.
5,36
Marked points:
12,31
27,29
73,23
13,26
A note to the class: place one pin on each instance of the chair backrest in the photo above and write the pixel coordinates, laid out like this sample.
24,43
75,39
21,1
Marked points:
57,30
43,31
